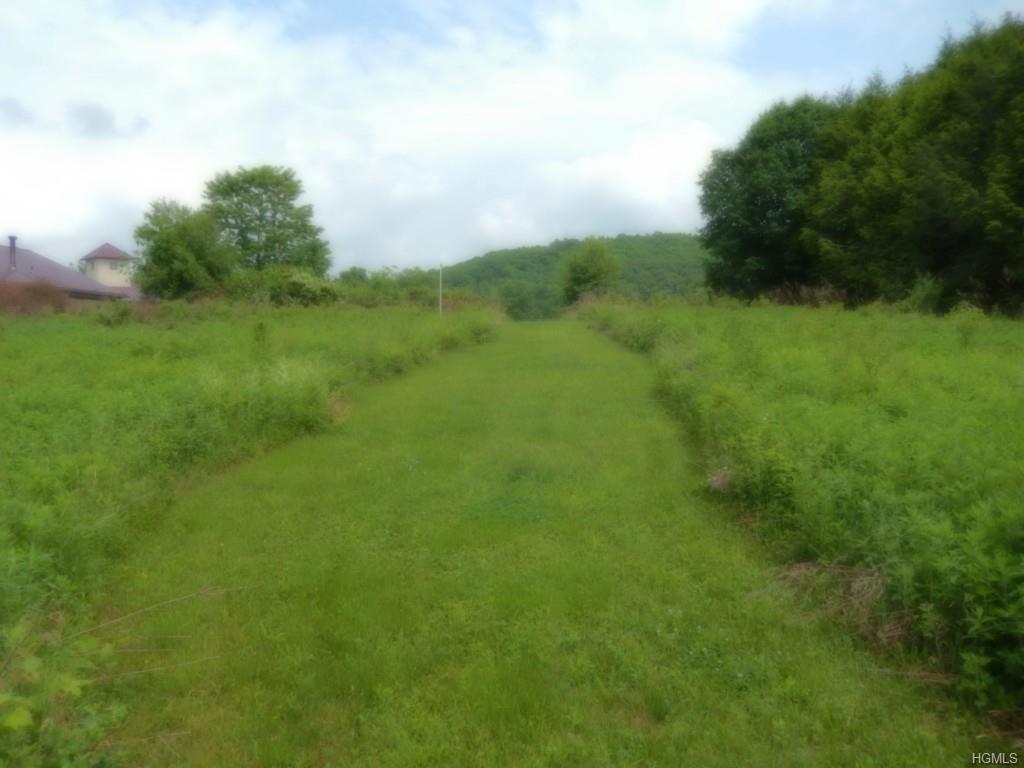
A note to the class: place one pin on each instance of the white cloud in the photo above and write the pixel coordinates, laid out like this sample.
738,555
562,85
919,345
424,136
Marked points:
596,116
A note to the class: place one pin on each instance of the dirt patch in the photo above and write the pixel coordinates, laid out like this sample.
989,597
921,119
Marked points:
339,407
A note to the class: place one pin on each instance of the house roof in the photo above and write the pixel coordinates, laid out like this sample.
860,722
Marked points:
107,252
30,267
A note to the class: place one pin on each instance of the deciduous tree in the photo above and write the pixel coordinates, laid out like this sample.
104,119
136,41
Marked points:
258,212
756,198
181,251
591,268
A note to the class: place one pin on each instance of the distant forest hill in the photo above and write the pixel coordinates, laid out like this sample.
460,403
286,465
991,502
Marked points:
528,281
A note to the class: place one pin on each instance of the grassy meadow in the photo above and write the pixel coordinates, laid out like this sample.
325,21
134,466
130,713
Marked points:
222,546
102,417
885,448
504,558
745,497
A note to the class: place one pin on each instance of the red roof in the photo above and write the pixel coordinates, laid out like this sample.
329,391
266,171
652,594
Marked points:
107,251
30,267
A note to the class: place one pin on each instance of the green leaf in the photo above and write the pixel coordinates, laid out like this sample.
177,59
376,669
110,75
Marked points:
70,685
17,719
18,632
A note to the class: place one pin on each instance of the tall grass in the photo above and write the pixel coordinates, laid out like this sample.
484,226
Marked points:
883,441
498,561
101,417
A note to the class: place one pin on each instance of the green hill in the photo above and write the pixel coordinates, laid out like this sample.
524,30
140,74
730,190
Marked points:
528,281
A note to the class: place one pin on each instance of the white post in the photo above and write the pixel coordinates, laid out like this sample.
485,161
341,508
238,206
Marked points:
440,289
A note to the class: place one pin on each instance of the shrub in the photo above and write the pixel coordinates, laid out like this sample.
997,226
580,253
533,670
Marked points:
590,269
182,251
281,286
927,295
884,442
114,313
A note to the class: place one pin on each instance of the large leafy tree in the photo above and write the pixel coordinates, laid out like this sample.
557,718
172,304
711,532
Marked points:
964,158
756,200
591,268
930,183
851,226
181,251
258,213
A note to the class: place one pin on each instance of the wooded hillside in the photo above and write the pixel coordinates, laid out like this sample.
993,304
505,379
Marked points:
528,281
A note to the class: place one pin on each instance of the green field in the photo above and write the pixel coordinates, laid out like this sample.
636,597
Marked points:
502,559
233,536
748,496
888,443
100,423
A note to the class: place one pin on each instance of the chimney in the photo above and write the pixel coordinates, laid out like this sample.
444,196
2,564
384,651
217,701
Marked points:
14,251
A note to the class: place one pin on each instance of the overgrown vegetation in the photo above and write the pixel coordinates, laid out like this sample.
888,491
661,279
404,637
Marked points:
499,560
529,282
101,418
874,193
251,220
872,440
283,286
182,251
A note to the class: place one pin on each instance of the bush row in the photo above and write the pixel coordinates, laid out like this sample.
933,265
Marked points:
868,439
289,286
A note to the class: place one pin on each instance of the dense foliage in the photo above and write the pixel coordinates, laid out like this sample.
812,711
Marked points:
528,282
871,193
281,286
756,199
258,213
251,221
106,418
591,270
869,440
182,251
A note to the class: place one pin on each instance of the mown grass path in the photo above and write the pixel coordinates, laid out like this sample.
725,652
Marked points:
501,559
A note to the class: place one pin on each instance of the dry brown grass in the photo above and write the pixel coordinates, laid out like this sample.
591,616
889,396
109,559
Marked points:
852,596
806,295
339,407
720,480
1009,723
32,299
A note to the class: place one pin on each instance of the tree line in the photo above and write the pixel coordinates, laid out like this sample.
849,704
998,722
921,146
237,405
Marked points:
252,239
250,220
537,282
910,191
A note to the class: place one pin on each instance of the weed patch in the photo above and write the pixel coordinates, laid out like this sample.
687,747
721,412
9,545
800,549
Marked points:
498,560
102,416
868,442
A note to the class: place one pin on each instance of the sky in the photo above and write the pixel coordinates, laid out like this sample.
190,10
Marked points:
424,131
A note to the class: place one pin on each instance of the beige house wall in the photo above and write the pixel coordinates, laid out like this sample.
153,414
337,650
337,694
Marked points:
108,272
